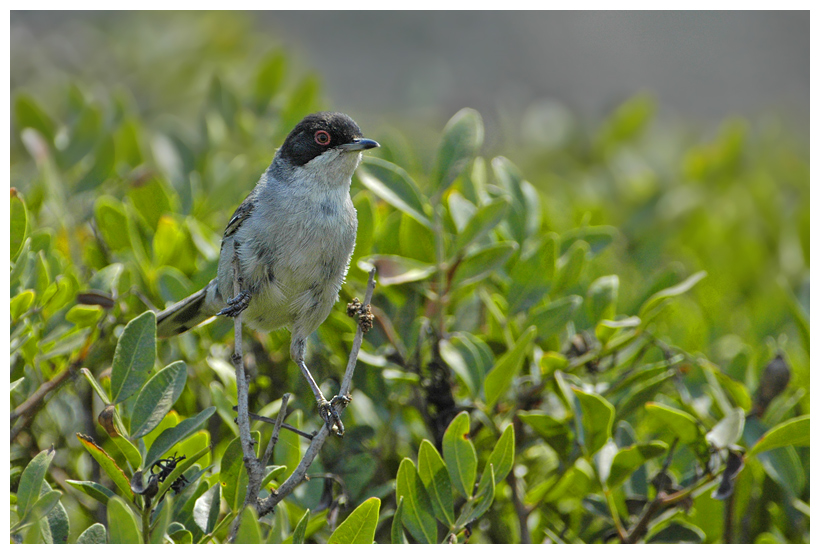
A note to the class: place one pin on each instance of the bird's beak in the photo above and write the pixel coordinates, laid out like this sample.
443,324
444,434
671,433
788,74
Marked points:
359,144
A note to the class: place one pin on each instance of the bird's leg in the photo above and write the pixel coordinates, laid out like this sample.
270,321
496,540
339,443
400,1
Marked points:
237,304
326,409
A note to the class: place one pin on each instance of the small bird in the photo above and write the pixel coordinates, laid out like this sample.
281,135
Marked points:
293,236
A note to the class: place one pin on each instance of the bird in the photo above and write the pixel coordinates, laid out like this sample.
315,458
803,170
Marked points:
293,237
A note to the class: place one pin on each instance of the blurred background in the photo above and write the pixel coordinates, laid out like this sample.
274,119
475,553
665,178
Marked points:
671,142
687,130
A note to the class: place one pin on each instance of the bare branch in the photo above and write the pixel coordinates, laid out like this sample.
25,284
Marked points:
265,506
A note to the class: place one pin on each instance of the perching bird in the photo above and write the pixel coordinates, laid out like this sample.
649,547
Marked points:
294,235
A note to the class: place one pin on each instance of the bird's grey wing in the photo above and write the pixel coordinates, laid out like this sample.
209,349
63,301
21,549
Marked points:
241,214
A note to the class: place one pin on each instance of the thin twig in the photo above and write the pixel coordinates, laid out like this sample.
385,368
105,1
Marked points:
287,426
267,505
274,437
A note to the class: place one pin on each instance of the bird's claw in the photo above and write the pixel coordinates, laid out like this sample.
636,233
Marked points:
331,416
236,305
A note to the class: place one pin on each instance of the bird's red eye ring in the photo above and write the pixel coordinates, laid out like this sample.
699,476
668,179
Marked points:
322,138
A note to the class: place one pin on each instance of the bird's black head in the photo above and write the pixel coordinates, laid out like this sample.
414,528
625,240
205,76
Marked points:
320,132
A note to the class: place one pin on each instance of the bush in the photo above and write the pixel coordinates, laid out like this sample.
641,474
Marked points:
535,372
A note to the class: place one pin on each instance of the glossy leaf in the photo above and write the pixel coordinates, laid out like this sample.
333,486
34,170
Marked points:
481,263
498,380
653,305
134,356
552,318
360,526
169,437
94,490
502,455
18,223
570,266
602,298
486,218
629,459
598,416
461,139
396,529
157,397
459,454
434,476
28,489
206,509
793,432
679,423
108,465
393,185
418,511
299,530
249,531
395,270
122,523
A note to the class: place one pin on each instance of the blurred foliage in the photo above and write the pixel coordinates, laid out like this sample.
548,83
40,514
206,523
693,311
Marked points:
549,362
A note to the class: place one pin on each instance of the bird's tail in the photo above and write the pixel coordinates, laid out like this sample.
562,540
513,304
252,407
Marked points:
190,312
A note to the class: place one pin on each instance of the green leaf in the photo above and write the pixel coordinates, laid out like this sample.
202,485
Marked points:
597,416
728,430
643,393
27,113
360,526
39,509
396,529
570,266
498,380
96,386
108,465
629,459
28,489
418,511
552,318
233,475
57,517
112,222
161,522
299,531
597,237
602,298
134,356
482,501
794,432
95,534
395,186
21,303
501,458
206,509
462,138
157,397
481,263
84,316
655,303
677,532
459,454
679,423
486,218
94,490
394,270
169,437
182,536
556,432
18,223
433,474
122,524
249,531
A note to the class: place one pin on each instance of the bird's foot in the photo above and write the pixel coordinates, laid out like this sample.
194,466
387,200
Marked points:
236,305
331,416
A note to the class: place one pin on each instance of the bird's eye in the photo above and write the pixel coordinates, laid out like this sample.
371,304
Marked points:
322,138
